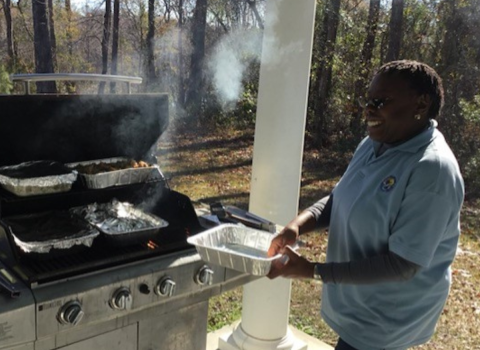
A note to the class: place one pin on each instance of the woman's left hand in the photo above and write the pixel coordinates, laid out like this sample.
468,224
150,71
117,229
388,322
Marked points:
295,267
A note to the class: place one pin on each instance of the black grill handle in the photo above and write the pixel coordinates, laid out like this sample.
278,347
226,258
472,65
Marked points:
7,283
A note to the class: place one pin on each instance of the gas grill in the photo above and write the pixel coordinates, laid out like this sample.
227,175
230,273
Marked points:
150,294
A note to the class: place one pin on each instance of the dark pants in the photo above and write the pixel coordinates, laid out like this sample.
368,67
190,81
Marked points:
341,345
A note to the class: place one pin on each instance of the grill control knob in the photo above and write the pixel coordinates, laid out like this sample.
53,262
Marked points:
204,276
71,313
166,287
144,288
121,299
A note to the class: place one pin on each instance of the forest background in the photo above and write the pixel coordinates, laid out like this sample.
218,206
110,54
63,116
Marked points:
206,55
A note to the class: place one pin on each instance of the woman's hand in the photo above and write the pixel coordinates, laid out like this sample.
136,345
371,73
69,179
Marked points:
287,236
296,266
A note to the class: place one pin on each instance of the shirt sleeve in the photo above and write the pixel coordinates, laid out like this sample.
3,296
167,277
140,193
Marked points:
382,268
322,211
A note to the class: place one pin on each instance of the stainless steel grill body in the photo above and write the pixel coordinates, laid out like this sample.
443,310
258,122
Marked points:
150,296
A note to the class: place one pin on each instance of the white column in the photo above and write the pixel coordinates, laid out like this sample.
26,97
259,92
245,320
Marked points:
277,163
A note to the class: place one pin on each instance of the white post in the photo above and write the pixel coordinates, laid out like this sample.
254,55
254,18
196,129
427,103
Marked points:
277,163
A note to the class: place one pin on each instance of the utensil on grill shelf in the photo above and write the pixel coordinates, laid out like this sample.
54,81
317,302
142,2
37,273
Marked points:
234,214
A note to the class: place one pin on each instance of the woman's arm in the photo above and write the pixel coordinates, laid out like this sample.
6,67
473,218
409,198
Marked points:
318,215
389,267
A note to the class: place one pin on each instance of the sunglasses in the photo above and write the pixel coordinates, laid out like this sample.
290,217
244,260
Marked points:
377,103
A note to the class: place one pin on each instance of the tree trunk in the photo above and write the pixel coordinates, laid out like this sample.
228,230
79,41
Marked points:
365,68
235,5
253,6
42,45
181,77
195,86
51,27
150,47
68,10
10,41
326,44
105,41
115,32
453,123
396,31
70,85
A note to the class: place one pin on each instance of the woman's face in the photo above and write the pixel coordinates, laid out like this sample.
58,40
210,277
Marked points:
394,120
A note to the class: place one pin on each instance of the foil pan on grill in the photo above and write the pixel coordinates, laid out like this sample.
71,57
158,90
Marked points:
37,178
121,222
42,232
236,247
118,171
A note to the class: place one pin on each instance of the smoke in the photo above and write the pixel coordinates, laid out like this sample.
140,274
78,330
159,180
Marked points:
229,61
237,50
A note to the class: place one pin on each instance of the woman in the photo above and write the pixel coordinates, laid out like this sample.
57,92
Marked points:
393,220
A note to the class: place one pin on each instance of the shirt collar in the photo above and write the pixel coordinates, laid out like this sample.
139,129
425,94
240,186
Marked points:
415,143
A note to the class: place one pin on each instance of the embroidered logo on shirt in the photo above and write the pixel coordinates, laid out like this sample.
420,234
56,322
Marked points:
388,183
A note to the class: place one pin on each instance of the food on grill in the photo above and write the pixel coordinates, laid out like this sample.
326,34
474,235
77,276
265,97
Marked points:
37,177
103,167
35,170
120,218
102,173
40,232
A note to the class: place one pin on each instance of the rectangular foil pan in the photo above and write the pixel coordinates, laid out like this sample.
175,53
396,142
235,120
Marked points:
36,185
121,223
117,177
46,231
236,247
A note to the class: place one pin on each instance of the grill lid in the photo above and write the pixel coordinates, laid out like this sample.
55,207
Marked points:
74,128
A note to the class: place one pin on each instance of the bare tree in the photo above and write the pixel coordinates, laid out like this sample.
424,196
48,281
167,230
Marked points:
115,32
365,65
195,86
150,46
105,41
396,31
253,6
68,10
51,28
181,77
42,45
10,40
326,44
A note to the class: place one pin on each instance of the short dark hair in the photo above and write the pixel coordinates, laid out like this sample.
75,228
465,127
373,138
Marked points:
422,78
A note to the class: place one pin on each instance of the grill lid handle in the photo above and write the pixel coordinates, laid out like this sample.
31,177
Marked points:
28,78
8,281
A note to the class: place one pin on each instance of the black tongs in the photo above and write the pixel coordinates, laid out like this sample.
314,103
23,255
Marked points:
8,281
231,213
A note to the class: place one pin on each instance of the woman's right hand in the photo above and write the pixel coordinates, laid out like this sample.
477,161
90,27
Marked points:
287,236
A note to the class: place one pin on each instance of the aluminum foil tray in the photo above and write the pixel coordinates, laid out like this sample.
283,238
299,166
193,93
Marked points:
120,222
116,177
42,232
236,247
37,178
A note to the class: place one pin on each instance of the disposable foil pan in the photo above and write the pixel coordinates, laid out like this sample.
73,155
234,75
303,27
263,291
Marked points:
42,232
21,179
236,247
121,223
116,177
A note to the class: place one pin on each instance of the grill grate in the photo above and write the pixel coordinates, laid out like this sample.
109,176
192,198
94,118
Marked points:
50,268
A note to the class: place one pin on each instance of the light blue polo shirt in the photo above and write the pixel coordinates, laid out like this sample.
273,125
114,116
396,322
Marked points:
408,201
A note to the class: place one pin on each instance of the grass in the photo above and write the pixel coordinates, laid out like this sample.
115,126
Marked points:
216,166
